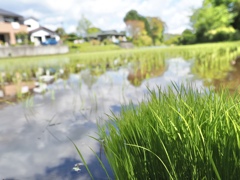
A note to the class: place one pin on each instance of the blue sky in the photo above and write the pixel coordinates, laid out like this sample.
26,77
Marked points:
105,14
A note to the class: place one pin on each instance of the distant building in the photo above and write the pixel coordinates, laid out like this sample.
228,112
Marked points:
39,34
111,35
10,25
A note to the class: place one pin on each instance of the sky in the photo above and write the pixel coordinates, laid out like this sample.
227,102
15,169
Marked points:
104,14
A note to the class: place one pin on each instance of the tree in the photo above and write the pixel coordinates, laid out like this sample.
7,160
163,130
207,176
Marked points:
22,37
72,36
156,29
60,31
136,23
92,30
236,20
188,37
133,15
217,20
233,7
134,28
83,25
209,18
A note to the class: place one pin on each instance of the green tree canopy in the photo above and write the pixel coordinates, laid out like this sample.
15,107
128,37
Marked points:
72,37
187,37
135,28
133,15
157,27
92,30
228,3
209,18
138,25
236,11
233,7
60,31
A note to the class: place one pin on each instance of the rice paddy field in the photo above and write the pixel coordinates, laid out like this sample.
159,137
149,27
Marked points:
150,113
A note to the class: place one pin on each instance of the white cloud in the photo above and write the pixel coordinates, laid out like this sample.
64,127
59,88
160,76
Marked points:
105,14
71,28
31,12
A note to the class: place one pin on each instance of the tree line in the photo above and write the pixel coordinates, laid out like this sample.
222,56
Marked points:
141,30
215,20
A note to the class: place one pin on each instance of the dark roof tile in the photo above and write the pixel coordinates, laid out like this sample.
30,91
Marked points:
42,28
8,13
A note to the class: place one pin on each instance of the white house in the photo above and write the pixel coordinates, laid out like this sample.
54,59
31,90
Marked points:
39,34
42,34
32,23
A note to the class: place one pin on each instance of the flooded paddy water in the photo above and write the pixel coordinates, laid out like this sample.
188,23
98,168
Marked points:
45,103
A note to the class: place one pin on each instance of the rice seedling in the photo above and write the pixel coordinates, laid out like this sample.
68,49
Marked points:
207,56
211,62
178,133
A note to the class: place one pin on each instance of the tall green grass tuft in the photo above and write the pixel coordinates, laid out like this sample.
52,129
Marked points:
181,133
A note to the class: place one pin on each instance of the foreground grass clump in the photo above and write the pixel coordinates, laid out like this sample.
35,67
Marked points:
177,134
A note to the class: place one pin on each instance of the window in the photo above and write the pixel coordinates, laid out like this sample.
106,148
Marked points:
8,19
11,19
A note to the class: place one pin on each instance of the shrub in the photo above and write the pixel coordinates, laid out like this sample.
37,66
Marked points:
221,34
95,42
22,38
107,42
143,40
173,40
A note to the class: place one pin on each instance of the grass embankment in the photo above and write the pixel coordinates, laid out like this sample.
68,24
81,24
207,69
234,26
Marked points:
177,134
88,47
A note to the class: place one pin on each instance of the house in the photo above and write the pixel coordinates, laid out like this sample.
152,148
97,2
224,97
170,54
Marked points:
111,35
32,23
10,25
37,33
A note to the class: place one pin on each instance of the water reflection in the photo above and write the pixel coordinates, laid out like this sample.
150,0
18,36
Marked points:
216,68
34,133
136,76
16,83
232,80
